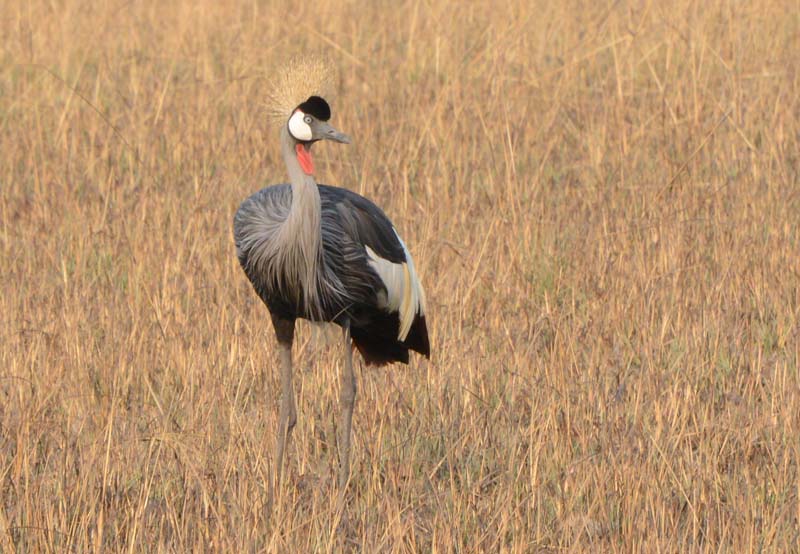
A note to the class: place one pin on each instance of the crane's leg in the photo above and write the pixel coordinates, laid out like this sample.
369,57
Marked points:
348,400
287,417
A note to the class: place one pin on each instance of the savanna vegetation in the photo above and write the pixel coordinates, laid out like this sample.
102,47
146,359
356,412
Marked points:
601,198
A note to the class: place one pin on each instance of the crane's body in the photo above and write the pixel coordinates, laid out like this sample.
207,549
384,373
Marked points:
359,248
324,253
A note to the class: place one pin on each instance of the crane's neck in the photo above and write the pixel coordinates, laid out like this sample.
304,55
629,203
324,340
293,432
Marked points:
300,181
301,232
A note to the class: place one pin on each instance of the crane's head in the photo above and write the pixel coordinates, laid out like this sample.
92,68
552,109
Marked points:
309,123
309,77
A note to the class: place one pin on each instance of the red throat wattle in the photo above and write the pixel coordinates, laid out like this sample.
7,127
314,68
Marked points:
304,157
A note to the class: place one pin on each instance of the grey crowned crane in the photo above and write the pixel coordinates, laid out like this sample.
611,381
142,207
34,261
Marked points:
326,254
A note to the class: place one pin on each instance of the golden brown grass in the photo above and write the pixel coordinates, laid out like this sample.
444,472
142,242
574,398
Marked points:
603,202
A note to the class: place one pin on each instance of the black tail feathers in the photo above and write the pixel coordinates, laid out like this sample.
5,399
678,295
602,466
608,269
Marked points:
378,342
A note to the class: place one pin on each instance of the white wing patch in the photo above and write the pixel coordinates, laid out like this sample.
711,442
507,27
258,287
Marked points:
404,291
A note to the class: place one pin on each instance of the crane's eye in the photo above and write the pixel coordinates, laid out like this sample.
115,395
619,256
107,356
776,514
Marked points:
307,119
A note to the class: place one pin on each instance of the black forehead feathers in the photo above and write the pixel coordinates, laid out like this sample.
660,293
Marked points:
317,107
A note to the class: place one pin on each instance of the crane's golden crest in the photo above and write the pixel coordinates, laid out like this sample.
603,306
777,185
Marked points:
299,79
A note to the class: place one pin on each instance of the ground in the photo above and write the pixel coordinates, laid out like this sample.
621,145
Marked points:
602,203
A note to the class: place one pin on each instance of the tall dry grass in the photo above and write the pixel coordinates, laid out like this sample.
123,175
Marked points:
603,202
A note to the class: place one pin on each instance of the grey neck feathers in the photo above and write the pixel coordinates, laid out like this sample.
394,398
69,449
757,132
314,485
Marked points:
299,244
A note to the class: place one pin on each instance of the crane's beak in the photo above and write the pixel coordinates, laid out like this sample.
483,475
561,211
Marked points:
327,132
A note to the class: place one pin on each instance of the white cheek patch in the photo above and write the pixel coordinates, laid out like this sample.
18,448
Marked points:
298,128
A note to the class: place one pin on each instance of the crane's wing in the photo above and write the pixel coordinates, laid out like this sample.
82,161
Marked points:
386,255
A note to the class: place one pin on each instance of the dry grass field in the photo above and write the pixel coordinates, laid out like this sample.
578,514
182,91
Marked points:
602,200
